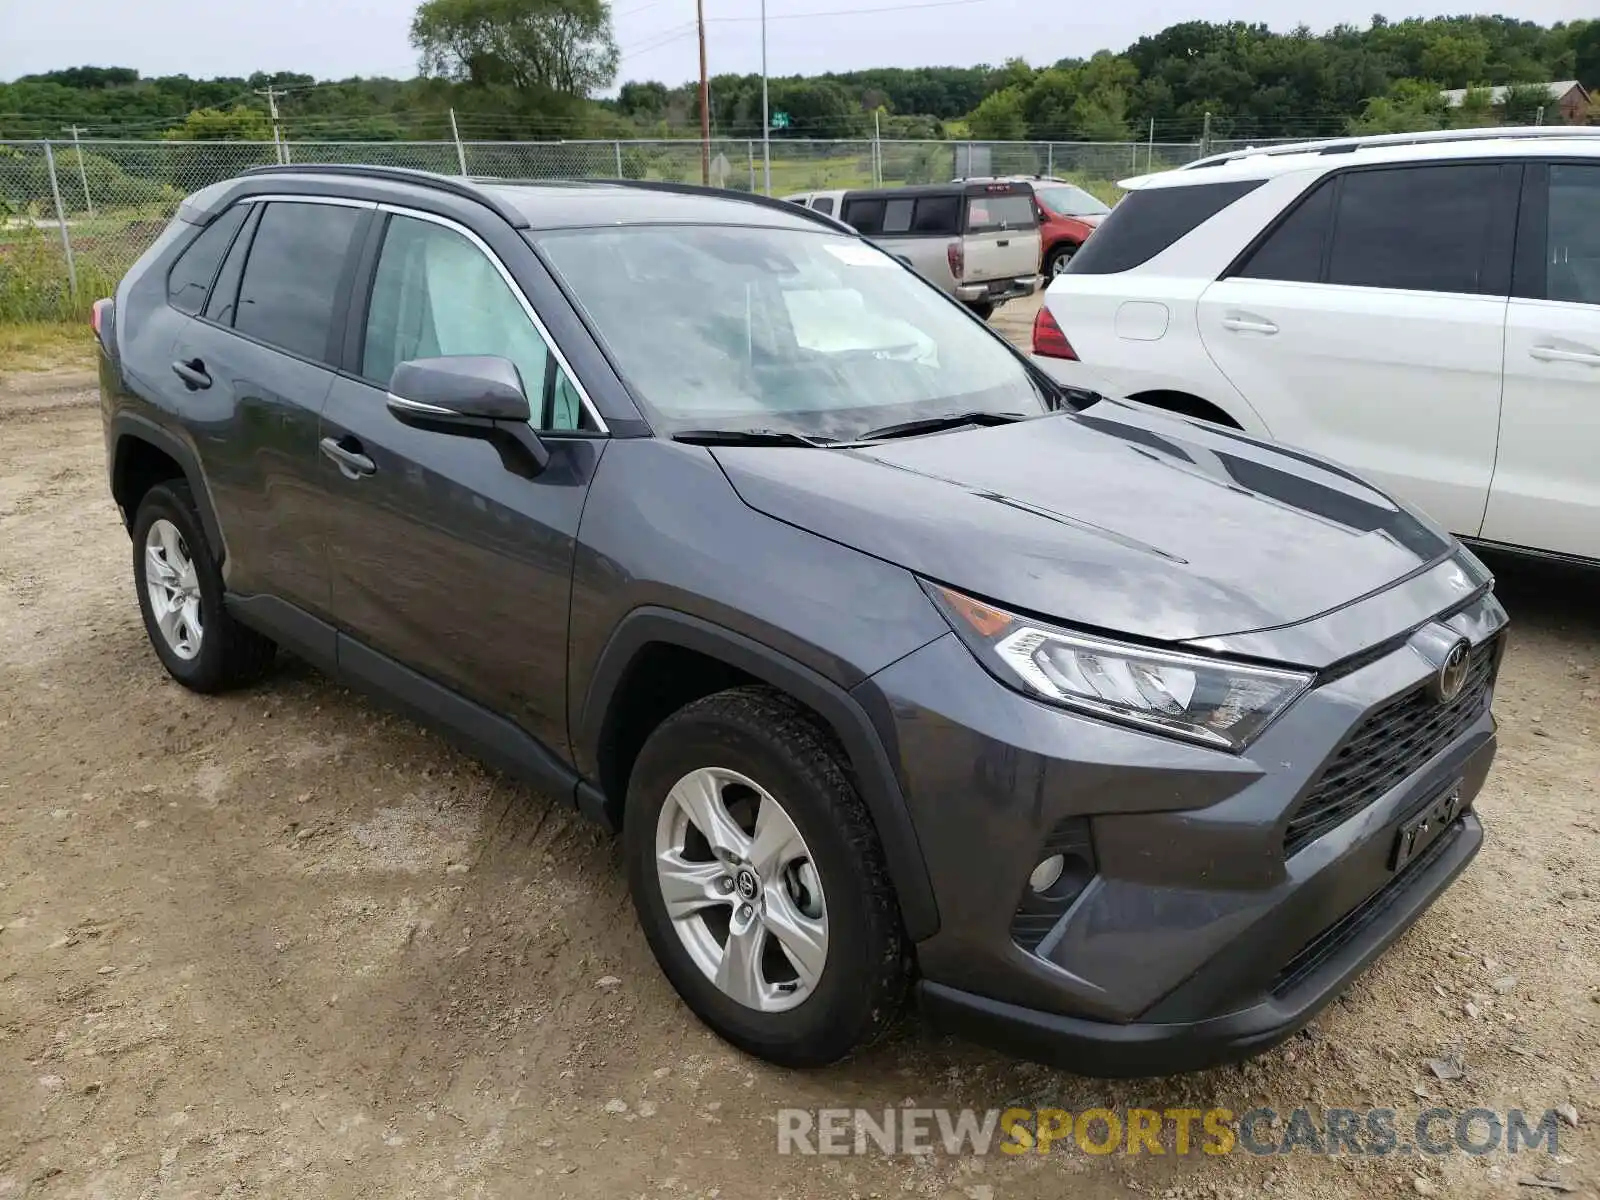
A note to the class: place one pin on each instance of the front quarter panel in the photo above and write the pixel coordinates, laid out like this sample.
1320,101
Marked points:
664,529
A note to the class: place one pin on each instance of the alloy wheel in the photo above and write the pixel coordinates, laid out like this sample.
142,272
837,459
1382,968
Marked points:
173,586
741,889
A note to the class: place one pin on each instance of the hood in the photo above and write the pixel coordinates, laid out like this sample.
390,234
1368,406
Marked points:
1091,219
1117,518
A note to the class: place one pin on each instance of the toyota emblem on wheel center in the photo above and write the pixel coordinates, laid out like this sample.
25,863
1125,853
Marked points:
1452,675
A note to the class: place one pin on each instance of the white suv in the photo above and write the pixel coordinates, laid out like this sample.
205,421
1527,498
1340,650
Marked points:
1424,308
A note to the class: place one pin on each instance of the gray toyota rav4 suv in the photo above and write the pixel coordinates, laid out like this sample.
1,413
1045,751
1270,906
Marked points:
1122,741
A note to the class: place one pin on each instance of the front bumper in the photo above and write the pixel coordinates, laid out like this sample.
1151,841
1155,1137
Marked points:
1199,937
999,291
1147,1048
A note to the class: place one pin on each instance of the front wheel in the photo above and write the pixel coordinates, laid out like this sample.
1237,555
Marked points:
760,882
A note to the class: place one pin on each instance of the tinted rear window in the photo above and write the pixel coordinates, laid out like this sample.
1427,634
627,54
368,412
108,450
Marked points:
196,267
292,275
1293,251
865,215
889,215
1146,222
823,204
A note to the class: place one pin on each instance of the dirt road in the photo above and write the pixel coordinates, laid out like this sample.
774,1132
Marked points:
280,944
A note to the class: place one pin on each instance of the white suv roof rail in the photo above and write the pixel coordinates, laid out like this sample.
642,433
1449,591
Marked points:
1347,145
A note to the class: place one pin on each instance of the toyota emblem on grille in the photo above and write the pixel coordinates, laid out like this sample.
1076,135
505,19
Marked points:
1452,675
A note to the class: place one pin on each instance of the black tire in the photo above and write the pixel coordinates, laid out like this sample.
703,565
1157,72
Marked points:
1060,255
982,309
230,655
767,737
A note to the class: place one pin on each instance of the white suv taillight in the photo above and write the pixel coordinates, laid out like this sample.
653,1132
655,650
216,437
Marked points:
1048,340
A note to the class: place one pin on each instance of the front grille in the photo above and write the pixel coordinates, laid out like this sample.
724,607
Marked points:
1389,745
1350,926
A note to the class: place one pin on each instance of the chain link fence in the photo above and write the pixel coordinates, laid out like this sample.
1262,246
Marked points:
74,216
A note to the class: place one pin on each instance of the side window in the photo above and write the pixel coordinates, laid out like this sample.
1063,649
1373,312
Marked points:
897,216
1149,220
865,215
435,293
823,204
291,279
1293,251
1572,240
220,305
1418,228
191,276
937,214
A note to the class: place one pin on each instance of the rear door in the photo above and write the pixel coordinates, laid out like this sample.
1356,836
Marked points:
1000,233
1368,324
255,361
1546,491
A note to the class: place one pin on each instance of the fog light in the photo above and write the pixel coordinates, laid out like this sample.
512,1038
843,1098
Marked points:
1046,874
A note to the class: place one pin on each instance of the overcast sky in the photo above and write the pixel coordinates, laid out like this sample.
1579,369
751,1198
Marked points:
337,38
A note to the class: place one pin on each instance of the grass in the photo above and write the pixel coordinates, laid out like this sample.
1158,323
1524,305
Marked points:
45,346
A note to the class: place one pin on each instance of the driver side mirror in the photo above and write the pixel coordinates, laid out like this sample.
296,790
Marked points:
472,395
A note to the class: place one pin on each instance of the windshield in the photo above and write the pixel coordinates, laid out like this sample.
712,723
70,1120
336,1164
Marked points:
1067,200
776,329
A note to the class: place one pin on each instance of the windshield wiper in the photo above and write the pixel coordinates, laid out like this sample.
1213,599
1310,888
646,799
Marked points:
749,437
933,424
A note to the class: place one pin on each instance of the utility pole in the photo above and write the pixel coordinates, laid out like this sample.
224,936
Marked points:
83,176
272,95
877,149
1205,137
455,136
766,119
705,98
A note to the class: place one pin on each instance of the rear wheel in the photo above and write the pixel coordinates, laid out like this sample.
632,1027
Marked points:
760,882
180,597
1060,258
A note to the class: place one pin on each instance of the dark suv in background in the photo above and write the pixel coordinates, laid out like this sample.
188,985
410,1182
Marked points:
1125,740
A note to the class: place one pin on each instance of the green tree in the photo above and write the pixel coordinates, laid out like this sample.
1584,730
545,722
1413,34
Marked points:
1456,60
999,118
554,46
238,124
1528,104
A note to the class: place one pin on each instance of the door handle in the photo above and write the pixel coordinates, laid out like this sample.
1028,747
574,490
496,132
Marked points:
1249,325
193,373
1556,354
352,463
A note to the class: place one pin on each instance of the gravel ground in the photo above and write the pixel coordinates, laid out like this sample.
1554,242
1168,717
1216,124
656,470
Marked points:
283,944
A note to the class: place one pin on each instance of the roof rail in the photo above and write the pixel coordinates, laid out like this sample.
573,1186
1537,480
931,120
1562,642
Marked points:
1347,145
453,184
696,189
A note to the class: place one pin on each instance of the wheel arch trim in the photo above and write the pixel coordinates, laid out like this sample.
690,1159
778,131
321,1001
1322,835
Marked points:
127,427
844,715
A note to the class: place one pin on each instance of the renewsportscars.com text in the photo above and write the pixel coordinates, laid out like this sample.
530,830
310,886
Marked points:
1374,1132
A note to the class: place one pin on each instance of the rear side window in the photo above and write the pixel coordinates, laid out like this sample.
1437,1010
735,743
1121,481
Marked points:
196,267
937,214
291,280
865,215
1294,250
1147,221
1417,228
897,216
823,204
997,213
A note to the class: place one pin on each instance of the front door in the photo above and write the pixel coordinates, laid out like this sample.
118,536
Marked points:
1367,326
1546,492
443,555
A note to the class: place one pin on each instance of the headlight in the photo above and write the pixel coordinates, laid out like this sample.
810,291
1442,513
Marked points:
1189,696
